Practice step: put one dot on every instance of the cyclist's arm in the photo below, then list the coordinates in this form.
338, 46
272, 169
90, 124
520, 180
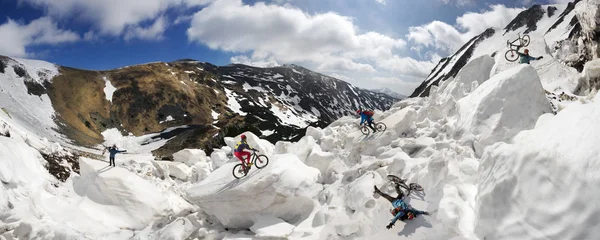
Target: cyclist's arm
398, 216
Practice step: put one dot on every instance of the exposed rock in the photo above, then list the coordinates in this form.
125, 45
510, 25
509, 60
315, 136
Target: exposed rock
528, 18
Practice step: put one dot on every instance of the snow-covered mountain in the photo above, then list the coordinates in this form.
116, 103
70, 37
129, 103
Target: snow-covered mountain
389, 92
211, 101
566, 35
499, 153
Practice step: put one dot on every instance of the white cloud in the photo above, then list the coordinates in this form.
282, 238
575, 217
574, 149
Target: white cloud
561, 1
254, 62
152, 32
437, 34
381, 1
112, 17
344, 65
459, 2
498, 17
16, 37
290, 35
448, 39
327, 42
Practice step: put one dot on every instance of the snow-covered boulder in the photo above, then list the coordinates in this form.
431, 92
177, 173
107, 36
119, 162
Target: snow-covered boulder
591, 76
543, 184
200, 171
218, 158
506, 104
190, 156
175, 169
316, 133
118, 195
403, 121
476, 71
283, 189
269, 226
263, 146
359, 194
319, 159
302, 148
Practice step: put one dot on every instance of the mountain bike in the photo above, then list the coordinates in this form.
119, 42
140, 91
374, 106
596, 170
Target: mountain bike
511, 55
380, 127
402, 183
241, 170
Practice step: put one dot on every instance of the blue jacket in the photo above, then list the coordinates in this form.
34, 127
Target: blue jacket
114, 151
405, 208
525, 58
364, 117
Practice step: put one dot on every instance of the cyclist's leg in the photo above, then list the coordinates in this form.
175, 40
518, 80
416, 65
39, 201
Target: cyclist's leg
388, 197
248, 156
371, 124
239, 156
398, 190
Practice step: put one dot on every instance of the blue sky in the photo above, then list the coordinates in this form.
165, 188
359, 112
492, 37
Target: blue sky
370, 43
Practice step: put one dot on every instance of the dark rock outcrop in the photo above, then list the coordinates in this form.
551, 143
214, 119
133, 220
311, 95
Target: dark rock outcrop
529, 18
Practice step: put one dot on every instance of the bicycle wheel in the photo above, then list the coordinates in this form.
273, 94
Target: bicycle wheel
260, 161
525, 40
365, 130
238, 171
511, 55
415, 187
380, 127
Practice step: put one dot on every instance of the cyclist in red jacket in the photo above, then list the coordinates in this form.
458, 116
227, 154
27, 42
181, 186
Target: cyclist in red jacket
240, 153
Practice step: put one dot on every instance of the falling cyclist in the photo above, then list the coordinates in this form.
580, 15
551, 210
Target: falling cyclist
525, 57
402, 210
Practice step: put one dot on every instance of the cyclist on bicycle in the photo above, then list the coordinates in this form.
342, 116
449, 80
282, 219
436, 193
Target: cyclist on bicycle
402, 210
240, 153
524, 57
366, 116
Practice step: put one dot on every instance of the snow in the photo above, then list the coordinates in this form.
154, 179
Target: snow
167, 119
30, 115
267, 132
247, 87
39, 70
109, 89
232, 103
493, 114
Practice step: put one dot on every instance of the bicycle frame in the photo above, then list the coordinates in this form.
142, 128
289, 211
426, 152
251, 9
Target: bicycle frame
519, 39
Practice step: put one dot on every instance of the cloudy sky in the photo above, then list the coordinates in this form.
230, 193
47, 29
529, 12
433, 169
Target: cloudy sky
370, 43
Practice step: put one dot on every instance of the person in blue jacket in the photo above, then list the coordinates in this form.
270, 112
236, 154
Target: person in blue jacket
112, 151
366, 116
402, 210
525, 58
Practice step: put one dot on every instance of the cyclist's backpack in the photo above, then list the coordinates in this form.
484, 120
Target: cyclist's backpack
369, 113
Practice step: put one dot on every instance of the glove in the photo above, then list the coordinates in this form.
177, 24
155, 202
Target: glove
124, 150
389, 226
540, 57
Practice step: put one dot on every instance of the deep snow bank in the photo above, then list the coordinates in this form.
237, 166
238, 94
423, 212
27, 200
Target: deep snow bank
501, 107
126, 199
283, 189
543, 185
